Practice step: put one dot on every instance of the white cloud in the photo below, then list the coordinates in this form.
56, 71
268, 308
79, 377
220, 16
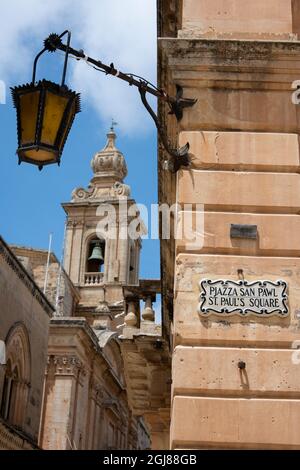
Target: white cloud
119, 31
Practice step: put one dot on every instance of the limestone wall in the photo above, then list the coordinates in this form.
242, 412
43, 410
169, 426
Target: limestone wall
244, 150
86, 404
270, 19
59, 289
24, 309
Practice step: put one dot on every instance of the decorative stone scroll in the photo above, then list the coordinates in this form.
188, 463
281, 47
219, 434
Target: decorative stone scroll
120, 189
80, 194
225, 297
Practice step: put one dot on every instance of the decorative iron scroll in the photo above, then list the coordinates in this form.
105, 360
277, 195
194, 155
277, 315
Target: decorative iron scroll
225, 297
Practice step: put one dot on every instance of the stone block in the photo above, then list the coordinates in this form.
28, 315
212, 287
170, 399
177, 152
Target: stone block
239, 191
238, 19
242, 150
201, 370
200, 422
234, 331
209, 232
231, 105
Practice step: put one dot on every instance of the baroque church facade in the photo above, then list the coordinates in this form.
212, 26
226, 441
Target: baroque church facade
95, 308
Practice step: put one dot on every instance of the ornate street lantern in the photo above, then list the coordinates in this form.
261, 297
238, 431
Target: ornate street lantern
45, 113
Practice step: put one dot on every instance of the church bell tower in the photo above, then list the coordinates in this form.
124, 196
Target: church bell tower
100, 256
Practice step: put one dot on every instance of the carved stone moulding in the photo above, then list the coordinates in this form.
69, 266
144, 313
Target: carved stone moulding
79, 194
65, 364
93, 192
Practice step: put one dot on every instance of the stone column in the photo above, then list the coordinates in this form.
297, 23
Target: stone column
123, 242
68, 248
60, 391
148, 312
76, 255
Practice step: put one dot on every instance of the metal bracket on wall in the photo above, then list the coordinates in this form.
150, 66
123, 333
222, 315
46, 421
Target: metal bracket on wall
178, 105
178, 157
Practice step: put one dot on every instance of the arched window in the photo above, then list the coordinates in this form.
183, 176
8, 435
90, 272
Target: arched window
95, 256
17, 376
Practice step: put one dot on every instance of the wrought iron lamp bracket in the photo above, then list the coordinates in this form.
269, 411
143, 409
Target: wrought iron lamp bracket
178, 157
52, 48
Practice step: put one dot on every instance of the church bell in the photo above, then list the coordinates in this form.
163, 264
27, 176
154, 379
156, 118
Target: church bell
97, 254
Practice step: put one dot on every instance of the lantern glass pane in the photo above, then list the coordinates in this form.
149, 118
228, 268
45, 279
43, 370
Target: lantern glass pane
68, 124
40, 155
54, 109
29, 103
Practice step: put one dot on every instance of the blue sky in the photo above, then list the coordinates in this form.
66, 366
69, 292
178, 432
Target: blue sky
120, 31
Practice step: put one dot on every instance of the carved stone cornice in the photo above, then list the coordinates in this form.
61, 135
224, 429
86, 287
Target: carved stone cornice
23, 275
75, 223
193, 54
